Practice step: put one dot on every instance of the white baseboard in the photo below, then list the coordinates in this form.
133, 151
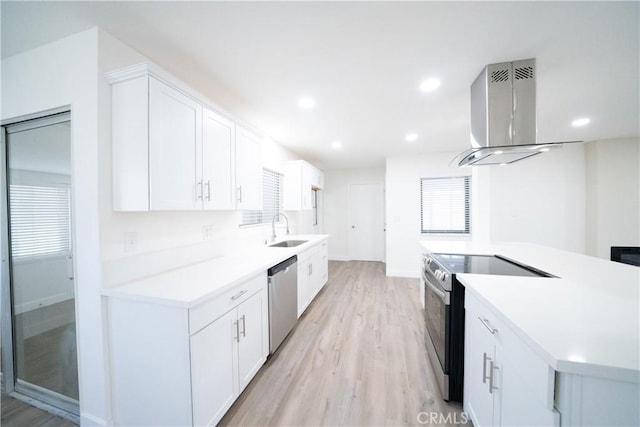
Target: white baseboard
339, 258
91, 420
403, 273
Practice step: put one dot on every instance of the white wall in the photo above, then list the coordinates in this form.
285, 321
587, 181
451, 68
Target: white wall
613, 195
540, 200
336, 202
60, 74
402, 190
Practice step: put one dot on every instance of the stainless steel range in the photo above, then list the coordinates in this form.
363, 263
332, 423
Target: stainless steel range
444, 310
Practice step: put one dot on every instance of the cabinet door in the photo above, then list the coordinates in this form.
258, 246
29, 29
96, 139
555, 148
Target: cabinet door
307, 181
314, 277
323, 265
303, 286
248, 171
251, 343
214, 382
175, 136
218, 160
479, 355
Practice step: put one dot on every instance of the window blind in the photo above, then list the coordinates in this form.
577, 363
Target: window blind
445, 205
271, 200
40, 221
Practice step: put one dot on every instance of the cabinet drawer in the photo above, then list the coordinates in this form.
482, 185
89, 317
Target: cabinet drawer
205, 313
308, 253
519, 359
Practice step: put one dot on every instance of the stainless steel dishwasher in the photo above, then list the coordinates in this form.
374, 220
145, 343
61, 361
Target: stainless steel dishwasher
283, 301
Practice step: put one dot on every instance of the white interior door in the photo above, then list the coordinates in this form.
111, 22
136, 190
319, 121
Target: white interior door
366, 222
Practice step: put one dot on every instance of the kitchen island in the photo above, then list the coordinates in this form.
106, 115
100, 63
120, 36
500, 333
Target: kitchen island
583, 324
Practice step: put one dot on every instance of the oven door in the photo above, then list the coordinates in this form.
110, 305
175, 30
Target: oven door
437, 314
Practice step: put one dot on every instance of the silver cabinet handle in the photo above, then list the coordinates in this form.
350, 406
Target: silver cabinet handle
237, 337
208, 184
69, 268
244, 326
492, 367
199, 196
238, 295
240, 194
486, 324
484, 367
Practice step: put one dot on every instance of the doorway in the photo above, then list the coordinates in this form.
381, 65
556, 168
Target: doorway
366, 222
39, 355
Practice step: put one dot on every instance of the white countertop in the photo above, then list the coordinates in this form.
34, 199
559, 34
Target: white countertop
190, 285
586, 321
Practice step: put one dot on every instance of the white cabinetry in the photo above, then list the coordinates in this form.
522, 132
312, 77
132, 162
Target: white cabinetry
505, 381
225, 356
312, 274
175, 135
171, 152
248, 170
300, 179
323, 264
173, 365
157, 132
217, 188
307, 278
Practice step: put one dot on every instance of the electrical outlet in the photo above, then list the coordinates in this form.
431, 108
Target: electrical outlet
130, 241
207, 232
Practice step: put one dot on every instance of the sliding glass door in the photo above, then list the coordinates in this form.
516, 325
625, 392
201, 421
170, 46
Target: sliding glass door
39, 325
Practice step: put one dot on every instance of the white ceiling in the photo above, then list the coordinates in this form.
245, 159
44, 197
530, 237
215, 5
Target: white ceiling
363, 63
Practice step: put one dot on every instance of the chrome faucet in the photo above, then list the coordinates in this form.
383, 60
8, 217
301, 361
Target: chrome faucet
273, 225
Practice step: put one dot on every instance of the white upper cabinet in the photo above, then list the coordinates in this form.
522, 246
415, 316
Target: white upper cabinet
248, 170
171, 152
175, 135
300, 179
218, 162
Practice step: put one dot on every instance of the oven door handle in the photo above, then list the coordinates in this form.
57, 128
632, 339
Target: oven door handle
444, 296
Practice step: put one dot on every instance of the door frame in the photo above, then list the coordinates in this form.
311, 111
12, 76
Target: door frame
31, 394
383, 213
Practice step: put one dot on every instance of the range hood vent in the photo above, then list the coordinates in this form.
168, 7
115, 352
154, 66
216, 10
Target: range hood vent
503, 116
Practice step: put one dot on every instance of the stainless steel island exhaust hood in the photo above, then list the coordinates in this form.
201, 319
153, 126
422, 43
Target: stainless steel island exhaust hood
503, 116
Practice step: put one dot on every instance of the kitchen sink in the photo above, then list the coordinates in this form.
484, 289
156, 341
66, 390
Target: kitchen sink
288, 244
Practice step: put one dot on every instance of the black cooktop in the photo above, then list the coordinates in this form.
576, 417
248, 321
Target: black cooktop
485, 264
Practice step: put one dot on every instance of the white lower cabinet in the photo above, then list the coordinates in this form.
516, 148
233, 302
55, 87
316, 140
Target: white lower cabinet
312, 274
184, 366
505, 381
225, 356
307, 278
323, 264
214, 369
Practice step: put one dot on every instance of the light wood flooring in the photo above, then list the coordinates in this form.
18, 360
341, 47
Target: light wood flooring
356, 357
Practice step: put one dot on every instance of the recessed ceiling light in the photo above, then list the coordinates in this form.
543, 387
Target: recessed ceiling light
411, 137
336, 145
429, 85
306, 103
580, 122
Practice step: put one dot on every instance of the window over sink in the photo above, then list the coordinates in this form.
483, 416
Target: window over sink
271, 200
